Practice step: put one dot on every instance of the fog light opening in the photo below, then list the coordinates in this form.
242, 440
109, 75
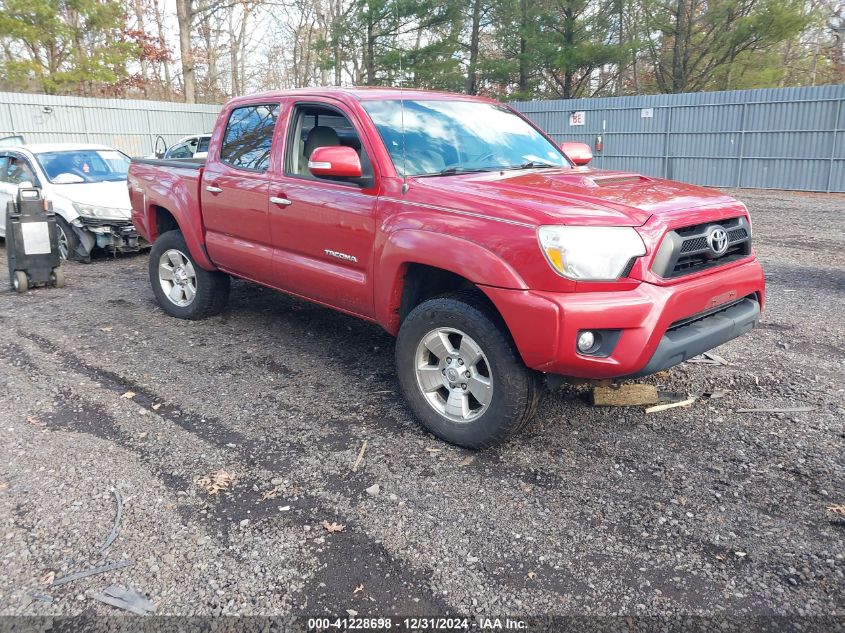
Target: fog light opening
586, 340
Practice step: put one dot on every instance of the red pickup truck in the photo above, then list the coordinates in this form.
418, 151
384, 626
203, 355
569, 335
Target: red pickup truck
497, 258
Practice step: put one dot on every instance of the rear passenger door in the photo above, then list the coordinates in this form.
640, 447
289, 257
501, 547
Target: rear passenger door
234, 193
323, 229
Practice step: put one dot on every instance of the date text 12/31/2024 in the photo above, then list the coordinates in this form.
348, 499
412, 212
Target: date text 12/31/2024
416, 624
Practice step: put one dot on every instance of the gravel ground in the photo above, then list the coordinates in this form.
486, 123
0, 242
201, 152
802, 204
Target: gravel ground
697, 510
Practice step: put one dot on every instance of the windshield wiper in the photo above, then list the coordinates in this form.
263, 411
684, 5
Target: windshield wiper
532, 164
452, 171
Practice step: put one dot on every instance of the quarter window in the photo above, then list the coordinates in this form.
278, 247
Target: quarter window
249, 136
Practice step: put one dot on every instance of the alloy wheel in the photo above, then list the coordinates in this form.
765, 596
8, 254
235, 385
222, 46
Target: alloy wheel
453, 374
177, 277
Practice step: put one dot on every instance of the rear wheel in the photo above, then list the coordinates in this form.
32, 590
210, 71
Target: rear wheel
461, 373
182, 288
20, 281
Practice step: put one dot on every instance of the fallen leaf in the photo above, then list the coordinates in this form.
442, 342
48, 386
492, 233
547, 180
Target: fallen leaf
525, 487
721, 557
268, 494
47, 579
333, 527
358, 588
128, 395
169, 506
3, 485
466, 461
352, 612
741, 554
431, 449
143, 436
532, 575
157, 406
106, 329
31, 419
840, 510
212, 484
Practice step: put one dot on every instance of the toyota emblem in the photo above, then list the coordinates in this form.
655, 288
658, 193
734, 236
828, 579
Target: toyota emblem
717, 240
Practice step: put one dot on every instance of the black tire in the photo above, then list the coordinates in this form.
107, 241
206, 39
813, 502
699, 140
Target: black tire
516, 389
65, 232
212, 288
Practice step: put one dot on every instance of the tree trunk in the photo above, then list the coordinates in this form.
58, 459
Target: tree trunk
371, 53
569, 43
678, 70
139, 18
184, 17
523, 48
472, 77
162, 44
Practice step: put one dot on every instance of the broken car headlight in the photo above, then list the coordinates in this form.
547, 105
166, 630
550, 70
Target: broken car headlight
100, 213
590, 253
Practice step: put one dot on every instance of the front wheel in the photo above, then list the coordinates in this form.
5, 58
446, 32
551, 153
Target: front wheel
68, 242
182, 288
461, 373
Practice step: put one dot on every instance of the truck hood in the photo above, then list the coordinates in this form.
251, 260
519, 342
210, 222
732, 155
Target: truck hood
573, 195
114, 195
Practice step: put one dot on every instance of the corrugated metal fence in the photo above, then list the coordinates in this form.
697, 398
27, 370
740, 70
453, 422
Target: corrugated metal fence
786, 138
129, 125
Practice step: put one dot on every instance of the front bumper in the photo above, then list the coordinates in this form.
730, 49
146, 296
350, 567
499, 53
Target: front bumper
115, 236
655, 329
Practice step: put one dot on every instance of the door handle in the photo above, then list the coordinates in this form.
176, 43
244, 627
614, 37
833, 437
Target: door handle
282, 201
212, 189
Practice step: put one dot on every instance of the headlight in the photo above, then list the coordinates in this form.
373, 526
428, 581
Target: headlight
750, 225
101, 213
590, 253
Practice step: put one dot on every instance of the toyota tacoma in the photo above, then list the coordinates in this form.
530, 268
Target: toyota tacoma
500, 260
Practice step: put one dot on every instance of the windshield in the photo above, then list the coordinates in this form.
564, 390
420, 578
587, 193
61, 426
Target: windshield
84, 165
448, 137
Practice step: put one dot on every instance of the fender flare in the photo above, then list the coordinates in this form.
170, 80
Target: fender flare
457, 255
191, 229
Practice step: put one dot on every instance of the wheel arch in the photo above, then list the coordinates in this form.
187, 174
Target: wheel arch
416, 265
160, 220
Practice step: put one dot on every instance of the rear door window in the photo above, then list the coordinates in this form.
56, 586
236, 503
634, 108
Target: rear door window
249, 136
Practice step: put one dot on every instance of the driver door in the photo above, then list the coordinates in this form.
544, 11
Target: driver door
323, 229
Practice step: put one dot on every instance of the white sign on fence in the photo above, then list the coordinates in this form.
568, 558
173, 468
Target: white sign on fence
647, 113
577, 118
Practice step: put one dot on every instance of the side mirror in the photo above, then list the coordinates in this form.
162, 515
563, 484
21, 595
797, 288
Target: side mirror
336, 161
578, 153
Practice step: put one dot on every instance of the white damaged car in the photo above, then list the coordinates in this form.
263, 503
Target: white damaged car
86, 184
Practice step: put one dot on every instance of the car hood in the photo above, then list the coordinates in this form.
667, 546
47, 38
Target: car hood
102, 194
572, 195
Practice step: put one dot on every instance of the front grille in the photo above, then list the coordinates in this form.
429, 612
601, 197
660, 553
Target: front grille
97, 222
686, 250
